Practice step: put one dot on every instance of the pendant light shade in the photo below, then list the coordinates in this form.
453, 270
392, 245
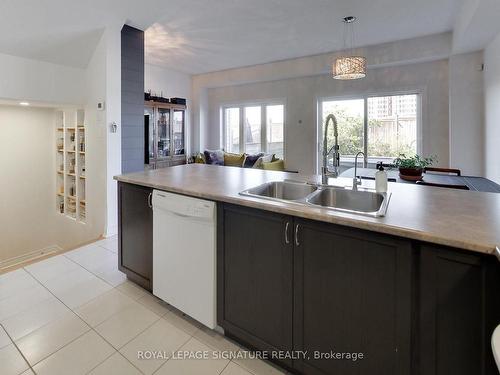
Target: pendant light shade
350, 66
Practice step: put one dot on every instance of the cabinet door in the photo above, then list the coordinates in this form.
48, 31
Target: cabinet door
178, 125
135, 233
352, 293
459, 309
255, 264
163, 133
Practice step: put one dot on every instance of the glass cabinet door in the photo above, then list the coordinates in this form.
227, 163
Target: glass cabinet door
149, 134
163, 133
178, 131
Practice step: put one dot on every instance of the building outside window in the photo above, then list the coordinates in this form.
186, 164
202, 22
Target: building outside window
253, 128
381, 126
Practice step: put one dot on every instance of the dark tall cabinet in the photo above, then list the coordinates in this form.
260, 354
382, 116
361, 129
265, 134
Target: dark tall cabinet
135, 233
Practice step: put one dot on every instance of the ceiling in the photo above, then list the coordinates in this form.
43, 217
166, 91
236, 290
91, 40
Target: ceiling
197, 36
66, 32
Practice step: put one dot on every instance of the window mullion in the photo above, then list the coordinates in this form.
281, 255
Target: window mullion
365, 133
263, 128
242, 130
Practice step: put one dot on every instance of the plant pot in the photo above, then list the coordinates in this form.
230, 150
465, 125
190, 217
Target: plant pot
411, 174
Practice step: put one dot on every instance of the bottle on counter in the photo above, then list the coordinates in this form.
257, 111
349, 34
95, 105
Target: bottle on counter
381, 179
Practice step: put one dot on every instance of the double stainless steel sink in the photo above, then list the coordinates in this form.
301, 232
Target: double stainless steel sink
363, 202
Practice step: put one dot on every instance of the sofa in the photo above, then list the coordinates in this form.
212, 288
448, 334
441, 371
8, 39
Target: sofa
256, 161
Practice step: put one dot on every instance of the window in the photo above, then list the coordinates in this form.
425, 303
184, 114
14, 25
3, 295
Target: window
392, 126
275, 124
254, 128
252, 123
232, 121
383, 127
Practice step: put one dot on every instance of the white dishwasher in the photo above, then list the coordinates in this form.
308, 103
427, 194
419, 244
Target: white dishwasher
184, 260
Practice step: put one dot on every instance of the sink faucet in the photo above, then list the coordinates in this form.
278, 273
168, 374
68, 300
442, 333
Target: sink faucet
356, 180
325, 171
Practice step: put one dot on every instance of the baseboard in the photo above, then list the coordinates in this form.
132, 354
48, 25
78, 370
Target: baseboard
12, 262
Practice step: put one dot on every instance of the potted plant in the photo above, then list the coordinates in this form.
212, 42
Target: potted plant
411, 168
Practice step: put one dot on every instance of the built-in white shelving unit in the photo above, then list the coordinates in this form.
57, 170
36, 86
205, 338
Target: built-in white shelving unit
71, 149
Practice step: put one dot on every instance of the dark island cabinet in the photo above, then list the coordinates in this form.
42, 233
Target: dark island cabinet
135, 233
255, 266
286, 284
347, 301
459, 307
352, 293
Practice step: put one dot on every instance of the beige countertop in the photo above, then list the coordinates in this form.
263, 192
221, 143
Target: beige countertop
462, 219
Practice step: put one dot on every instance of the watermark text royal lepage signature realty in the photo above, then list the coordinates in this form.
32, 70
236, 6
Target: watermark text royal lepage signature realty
244, 354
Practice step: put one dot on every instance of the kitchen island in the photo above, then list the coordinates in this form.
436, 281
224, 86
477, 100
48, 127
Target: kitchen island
416, 291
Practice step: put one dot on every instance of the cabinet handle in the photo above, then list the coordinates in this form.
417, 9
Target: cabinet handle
150, 200
297, 235
287, 240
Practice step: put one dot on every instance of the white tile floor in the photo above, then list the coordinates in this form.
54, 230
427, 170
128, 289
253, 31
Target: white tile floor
75, 313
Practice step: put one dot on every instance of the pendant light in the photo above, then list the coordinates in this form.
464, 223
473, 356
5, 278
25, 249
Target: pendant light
350, 66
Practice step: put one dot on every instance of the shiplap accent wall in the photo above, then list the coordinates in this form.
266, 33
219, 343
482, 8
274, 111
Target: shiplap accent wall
132, 99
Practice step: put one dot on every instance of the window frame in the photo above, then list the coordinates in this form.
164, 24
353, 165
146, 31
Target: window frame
263, 121
421, 98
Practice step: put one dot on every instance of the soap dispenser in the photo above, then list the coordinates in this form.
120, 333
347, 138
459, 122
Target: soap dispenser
381, 179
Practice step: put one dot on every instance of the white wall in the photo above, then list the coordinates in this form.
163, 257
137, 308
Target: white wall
29, 219
171, 82
492, 109
95, 91
301, 96
112, 36
404, 52
25, 79
34, 205
467, 113
27, 198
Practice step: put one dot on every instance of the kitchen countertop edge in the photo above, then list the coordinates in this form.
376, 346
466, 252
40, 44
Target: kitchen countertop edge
318, 214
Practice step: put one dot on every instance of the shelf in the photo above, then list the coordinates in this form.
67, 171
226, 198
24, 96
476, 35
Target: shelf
70, 132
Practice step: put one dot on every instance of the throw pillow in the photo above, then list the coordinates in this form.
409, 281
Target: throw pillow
278, 165
251, 159
233, 160
263, 159
199, 158
214, 157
